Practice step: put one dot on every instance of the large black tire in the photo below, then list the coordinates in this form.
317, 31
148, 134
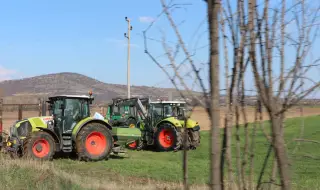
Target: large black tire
131, 122
161, 140
194, 137
94, 142
39, 145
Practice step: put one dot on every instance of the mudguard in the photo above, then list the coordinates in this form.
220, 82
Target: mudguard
191, 124
52, 133
174, 121
85, 121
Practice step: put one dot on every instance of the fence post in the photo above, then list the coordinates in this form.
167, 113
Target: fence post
39, 107
20, 112
1, 128
43, 107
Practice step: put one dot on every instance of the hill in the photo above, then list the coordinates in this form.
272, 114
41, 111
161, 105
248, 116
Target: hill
28, 90
72, 83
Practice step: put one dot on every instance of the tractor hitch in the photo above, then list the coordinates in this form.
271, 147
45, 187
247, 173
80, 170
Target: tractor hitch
117, 149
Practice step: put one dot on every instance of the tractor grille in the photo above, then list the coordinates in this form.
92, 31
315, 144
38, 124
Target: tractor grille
24, 129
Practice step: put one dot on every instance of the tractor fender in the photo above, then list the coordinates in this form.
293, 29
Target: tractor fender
131, 117
173, 121
84, 122
178, 128
191, 124
52, 133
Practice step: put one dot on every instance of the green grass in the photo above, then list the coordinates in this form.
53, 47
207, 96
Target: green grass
142, 167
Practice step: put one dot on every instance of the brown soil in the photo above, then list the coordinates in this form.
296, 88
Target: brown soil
199, 114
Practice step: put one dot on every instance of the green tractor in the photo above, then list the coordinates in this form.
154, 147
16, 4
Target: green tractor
69, 129
123, 112
162, 127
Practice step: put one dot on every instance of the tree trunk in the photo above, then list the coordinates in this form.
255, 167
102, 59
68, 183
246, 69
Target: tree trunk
213, 18
280, 150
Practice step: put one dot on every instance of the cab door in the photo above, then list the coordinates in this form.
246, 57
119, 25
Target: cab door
72, 114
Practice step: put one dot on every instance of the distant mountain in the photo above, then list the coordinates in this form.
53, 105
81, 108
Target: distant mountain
29, 89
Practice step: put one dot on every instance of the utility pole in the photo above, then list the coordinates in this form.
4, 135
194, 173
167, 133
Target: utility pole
127, 35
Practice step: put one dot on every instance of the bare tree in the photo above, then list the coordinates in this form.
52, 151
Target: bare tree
250, 32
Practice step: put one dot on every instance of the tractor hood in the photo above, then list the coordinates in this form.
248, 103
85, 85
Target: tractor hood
180, 122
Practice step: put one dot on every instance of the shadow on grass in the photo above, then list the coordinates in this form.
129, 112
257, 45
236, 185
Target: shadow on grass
73, 156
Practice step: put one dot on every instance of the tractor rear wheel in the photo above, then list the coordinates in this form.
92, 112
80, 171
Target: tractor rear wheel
167, 138
94, 142
39, 145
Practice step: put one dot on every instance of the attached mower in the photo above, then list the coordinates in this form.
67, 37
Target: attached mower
69, 129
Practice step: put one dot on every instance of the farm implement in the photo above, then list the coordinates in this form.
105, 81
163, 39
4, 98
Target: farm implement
69, 129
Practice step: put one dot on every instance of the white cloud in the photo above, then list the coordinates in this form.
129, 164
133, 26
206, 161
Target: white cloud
121, 43
146, 19
6, 74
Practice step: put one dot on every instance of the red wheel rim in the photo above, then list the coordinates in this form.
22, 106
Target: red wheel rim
96, 143
41, 148
133, 145
166, 138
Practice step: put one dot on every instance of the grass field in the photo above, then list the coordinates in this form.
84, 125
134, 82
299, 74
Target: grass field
152, 170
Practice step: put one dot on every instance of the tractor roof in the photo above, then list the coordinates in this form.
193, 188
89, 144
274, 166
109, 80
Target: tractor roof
71, 96
168, 102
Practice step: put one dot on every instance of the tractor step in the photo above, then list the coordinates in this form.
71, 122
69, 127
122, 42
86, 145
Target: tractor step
66, 143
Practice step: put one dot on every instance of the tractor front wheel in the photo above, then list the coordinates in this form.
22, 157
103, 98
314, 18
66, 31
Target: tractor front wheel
39, 145
136, 145
167, 138
94, 142
131, 123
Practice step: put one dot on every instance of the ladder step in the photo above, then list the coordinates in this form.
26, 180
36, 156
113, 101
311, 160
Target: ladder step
67, 143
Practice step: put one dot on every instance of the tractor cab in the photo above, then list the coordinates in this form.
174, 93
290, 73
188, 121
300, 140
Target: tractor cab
126, 112
160, 110
68, 110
